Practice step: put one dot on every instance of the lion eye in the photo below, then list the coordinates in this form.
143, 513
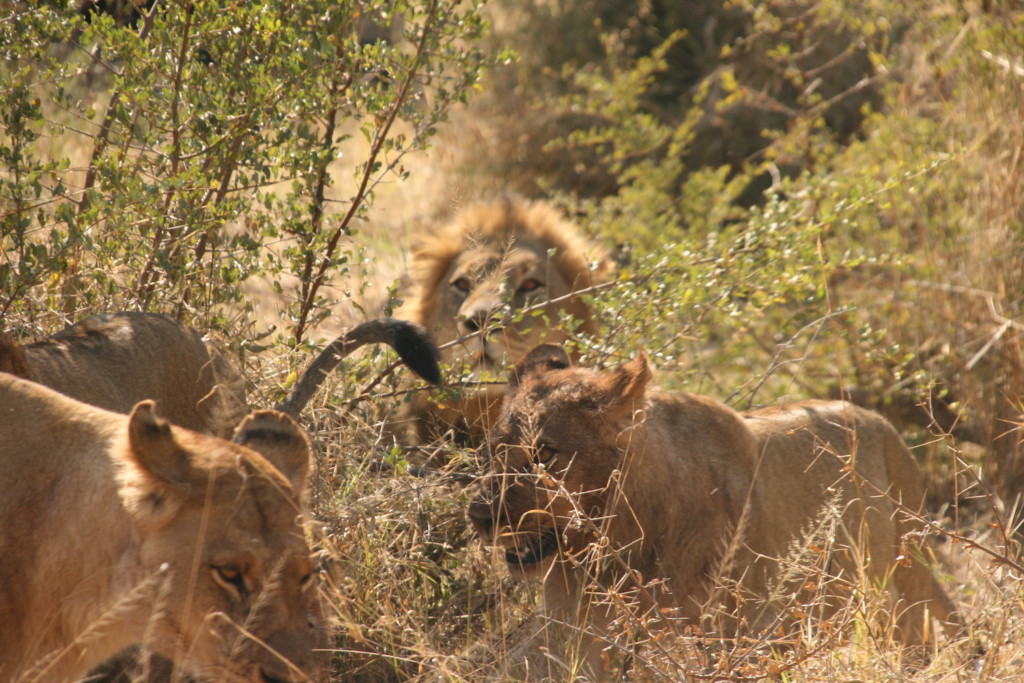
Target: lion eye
544, 455
231, 579
462, 284
530, 285
306, 582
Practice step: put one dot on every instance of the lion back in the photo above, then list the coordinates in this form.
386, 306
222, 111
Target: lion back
113, 361
822, 455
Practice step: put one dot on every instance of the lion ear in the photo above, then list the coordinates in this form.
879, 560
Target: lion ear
153, 448
281, 441
541, 359
12, 357
626, 386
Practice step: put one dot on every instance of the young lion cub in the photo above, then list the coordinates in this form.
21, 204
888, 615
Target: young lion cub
679, 487
124, 529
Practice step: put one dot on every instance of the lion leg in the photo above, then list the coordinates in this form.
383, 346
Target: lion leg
922, 597
921, 600
578, 629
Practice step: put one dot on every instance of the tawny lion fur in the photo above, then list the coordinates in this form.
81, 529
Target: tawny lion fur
469, 278
115, 360
124, 529
670, 481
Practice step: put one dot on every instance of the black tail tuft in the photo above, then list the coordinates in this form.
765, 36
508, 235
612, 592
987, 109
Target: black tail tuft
417, 350
411, 341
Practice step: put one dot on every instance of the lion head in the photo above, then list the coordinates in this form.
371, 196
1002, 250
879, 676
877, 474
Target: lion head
127, 530
12, 357
476, 276
552, 455
221, 522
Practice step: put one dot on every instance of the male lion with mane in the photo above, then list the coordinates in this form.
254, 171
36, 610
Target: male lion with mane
470, 279
594, 478
125, 529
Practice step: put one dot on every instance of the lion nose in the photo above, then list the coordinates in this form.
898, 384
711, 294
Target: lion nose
267, 677
294, 656
480, 513
481, 317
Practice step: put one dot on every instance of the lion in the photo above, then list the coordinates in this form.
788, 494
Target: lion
115, 360
679, 487
471, 278
122, 529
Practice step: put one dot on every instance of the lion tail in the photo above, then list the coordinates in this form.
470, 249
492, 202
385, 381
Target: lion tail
410, 340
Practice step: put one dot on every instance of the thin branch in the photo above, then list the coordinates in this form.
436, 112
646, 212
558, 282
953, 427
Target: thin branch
103, 136
380, 137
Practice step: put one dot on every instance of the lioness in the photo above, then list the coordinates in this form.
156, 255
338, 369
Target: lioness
115, 360
124, 529
667, 482
470, 279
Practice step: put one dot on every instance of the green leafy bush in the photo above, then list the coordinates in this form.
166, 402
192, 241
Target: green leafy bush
158, 166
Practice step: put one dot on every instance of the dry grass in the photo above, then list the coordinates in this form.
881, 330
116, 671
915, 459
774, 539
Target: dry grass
417, 598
